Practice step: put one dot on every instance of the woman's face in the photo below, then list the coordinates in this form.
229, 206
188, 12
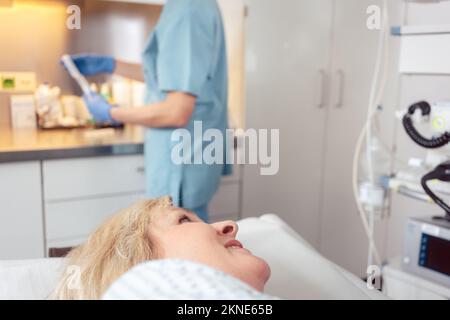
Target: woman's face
180, 234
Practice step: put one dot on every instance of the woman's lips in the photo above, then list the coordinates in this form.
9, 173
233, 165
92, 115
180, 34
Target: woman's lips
234, 244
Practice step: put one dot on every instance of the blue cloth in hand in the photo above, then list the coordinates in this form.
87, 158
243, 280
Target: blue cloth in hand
91, 65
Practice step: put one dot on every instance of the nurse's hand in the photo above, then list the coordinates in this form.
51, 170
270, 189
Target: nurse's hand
99, 108
91, 65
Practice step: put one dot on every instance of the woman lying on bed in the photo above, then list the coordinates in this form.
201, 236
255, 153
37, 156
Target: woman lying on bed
154, 230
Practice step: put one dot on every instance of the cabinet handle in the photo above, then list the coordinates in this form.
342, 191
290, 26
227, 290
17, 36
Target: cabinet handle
340, 93
322, 86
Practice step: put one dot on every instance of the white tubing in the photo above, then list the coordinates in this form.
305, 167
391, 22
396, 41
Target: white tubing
366, 133
362, 213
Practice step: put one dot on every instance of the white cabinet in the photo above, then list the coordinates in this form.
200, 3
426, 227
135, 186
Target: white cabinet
69, 223
310, 64
79, 194
58, 203
91, 177
287, 70
21, 222
353, 61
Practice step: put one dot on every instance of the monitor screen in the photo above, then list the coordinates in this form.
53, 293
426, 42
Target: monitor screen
435, 254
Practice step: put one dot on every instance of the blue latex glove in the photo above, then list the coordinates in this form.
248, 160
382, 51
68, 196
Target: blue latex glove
91, 65
99, 108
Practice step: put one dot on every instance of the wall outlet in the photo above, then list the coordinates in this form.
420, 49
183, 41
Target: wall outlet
17, 82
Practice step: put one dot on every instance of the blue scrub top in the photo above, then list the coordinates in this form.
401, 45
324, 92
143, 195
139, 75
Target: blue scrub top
186, 53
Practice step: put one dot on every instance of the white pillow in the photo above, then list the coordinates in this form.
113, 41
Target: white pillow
298, 270
30, 280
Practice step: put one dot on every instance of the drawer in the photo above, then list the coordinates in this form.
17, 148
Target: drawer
90, 177
78, 219
226, 201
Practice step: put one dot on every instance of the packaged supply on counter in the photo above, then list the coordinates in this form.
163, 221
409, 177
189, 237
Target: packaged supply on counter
48, 106
23, 114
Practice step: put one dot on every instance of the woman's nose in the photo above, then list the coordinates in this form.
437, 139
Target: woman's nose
226, 228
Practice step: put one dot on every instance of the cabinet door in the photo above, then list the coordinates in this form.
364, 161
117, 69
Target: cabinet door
21, 220
233, 12
354, 52
287, 63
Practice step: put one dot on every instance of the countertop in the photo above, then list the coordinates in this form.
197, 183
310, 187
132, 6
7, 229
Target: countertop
29, 145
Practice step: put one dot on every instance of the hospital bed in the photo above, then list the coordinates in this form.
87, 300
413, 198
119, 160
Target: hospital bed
298, 270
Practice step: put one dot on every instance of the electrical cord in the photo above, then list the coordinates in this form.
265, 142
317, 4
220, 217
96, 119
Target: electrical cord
441, 173
415, 135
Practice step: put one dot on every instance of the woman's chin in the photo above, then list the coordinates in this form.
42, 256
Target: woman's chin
266, 272
261, 274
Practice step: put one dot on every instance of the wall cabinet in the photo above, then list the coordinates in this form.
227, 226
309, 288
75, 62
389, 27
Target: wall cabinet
287, 77
353, 61
310, 64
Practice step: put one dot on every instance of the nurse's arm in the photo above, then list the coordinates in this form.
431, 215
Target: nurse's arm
129, 70
174, 112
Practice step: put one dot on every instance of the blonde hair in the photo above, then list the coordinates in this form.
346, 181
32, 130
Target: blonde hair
119, 244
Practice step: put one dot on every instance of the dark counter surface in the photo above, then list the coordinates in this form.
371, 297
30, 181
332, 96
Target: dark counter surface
31, 145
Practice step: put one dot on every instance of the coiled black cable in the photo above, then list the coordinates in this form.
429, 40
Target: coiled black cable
439, 173
415, 135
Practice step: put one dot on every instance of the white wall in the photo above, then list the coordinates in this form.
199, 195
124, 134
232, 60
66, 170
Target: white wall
33, 38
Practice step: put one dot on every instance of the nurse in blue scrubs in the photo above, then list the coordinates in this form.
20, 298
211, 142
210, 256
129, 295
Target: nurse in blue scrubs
185, 70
